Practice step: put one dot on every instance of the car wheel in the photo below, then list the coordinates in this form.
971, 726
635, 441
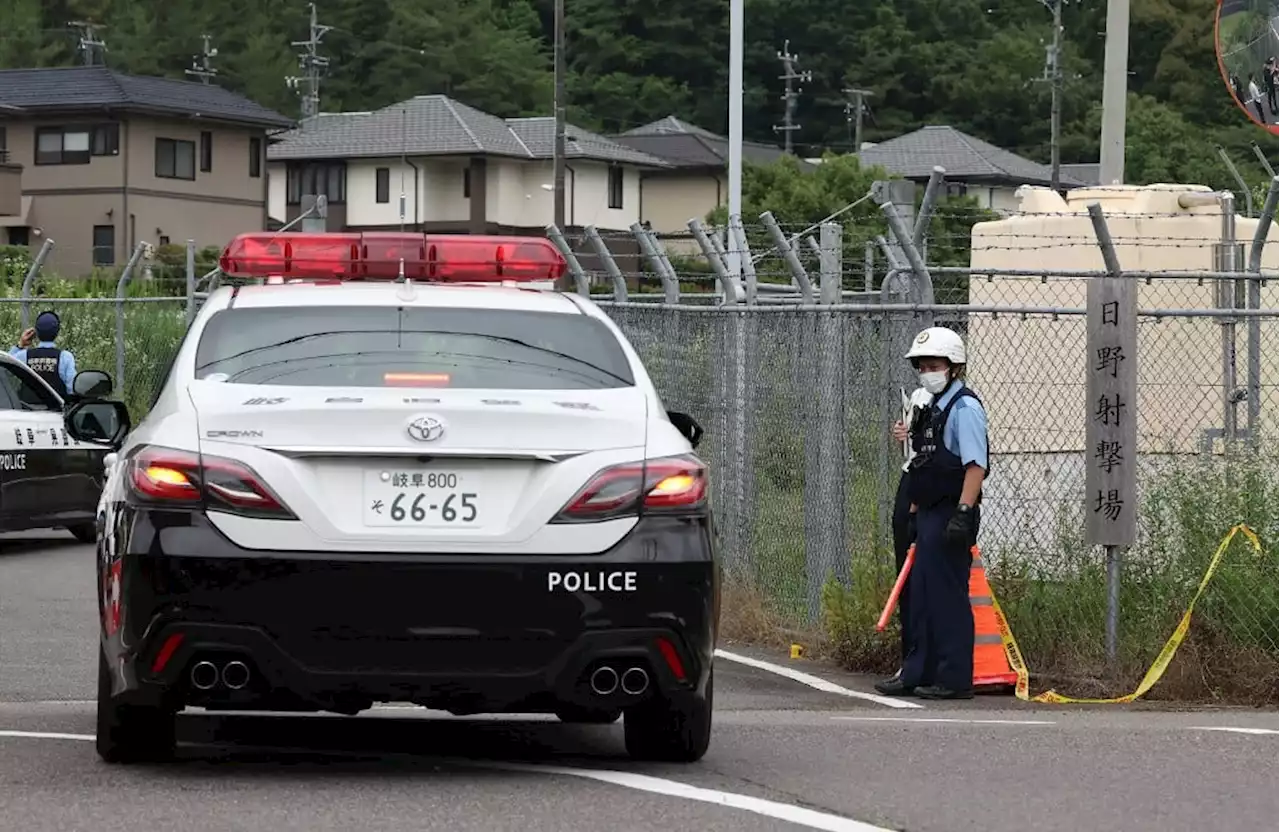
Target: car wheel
672, 731
86, 533
131, 733
588, 716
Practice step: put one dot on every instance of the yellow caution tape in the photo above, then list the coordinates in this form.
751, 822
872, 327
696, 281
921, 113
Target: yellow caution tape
1162, 661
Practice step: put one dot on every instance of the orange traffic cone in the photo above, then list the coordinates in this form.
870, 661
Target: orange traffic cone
990, 665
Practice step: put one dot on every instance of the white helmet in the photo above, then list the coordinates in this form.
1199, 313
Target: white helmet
938, 342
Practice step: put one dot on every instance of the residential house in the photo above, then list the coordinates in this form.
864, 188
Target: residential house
696, 181
973, 167
97, 160
436, 164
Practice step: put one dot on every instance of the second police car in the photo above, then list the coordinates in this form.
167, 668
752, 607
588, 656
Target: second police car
443, 488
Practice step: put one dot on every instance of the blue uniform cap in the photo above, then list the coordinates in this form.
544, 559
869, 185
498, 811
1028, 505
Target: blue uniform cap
47, 326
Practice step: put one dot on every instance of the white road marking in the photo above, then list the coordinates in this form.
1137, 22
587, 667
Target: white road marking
1232, 730
815, 682
47, 735
945, 719
799, 815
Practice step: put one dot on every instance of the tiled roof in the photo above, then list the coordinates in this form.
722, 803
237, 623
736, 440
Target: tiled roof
686, 145
436, 125
99, 87
964, 157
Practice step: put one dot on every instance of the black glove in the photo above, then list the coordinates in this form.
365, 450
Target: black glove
911, 528
960, 529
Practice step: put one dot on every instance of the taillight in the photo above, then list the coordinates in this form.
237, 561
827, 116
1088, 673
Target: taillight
166, 475
671, 485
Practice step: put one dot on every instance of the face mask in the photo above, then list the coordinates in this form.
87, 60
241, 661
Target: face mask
935, 383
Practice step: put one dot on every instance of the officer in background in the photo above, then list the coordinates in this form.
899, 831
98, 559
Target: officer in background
36, 348
945, 490
904, 532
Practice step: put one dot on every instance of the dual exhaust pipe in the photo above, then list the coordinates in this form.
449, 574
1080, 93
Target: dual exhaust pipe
633, 681
234, 675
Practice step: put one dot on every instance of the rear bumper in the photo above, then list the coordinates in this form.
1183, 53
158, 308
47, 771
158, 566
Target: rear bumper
467, 634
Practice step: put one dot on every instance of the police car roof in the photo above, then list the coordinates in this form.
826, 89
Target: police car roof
388, 293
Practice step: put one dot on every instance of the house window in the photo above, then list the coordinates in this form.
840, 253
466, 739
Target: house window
106, 140
466, 183
164, 239
62, 145
382, 184
615, 187
104, 245
4, 146
327, 179
957, 189
255, 157
206, 151
175, 159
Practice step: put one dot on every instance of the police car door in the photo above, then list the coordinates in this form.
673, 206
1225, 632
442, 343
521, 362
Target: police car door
41, 480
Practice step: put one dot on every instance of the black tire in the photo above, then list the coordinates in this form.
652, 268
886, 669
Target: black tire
579, 715
86, 533
131, 733
670, 731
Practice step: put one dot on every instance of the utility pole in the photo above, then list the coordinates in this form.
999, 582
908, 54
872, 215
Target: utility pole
854, 108
90, 48
312, 65
559, 106
736, 49
789, 76
202, 64
1115, 88
1053, 76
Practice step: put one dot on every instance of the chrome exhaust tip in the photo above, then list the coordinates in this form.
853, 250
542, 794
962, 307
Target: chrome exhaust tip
235, 675
635, 681
604, 680
204, 675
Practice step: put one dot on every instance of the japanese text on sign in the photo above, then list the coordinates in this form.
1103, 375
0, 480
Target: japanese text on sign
1111, 427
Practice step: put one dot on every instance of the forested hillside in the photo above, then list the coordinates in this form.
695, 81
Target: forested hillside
968, 63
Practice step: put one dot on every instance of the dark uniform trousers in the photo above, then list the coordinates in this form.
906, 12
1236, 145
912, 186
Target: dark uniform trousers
901, 543
941, 648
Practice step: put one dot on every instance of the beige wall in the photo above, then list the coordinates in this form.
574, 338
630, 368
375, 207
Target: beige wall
10, 189
670, 201
1031, 373
123, 191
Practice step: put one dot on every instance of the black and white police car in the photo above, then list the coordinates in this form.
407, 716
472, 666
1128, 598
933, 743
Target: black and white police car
48, 478
393, 471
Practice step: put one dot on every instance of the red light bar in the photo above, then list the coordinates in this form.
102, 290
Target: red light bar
378, 256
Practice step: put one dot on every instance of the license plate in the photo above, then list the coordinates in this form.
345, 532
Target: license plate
417, 498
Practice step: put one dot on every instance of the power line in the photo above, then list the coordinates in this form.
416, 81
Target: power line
789, 76
312, 64
90, 48
855, 107
201, 65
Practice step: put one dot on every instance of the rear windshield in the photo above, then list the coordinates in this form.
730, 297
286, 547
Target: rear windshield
393, 347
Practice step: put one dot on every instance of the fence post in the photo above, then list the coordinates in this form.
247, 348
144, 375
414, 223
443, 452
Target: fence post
670, 288
1254, 348
923, 294
826, 437
581, 284
30, 279
1111, 421
927, 204
780, 242
122, 286
191, 280
869, 266
610, 265
1235, 174
1228, 260
739, 237
704, 241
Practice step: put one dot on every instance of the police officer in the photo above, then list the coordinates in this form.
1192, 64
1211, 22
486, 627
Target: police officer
37, 349
945, 490
904, 532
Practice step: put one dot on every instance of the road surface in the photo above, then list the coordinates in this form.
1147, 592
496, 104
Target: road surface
785, 754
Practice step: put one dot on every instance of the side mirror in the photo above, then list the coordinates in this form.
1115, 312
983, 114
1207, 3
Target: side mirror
91, 384
687, 425
98, 421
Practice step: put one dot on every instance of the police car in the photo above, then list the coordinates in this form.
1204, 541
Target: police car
48, 479
390, 470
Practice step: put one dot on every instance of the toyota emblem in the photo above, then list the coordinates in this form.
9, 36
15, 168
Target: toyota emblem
425, 429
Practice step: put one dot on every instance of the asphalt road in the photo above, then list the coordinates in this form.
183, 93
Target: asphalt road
784, 756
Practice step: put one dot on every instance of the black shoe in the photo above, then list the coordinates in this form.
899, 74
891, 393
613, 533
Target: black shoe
894, 687
940, 692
